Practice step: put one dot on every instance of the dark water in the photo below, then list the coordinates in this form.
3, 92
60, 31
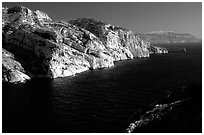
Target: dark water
99, 100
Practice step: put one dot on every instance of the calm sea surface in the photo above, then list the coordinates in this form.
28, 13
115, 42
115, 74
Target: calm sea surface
99, 100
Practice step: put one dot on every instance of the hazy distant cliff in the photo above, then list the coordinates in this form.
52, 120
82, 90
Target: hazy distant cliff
36, 46
168, 37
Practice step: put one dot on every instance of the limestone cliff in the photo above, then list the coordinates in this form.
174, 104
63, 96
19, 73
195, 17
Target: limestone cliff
163, 37
121, 43
47, 48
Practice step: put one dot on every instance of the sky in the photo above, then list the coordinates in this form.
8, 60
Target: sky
182, 17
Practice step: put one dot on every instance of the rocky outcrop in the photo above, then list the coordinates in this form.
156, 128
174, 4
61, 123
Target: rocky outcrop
155, 49
52, 49
12, 71
157, 113
163, 37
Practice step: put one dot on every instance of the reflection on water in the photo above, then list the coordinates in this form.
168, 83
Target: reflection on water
99, 100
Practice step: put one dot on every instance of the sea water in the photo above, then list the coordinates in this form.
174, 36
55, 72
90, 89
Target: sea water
100, 100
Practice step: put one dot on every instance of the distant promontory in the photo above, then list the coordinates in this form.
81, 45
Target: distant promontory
168, 37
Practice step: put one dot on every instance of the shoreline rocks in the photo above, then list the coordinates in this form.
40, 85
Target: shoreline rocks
52, 49
12, 70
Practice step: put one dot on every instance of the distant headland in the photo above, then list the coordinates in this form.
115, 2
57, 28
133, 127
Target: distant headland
168, 37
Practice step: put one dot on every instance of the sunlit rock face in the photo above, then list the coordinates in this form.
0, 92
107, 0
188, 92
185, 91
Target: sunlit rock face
52, 49
121, 43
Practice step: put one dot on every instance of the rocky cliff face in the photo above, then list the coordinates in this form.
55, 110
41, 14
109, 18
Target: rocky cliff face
46, 48
168, 37
121, 43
